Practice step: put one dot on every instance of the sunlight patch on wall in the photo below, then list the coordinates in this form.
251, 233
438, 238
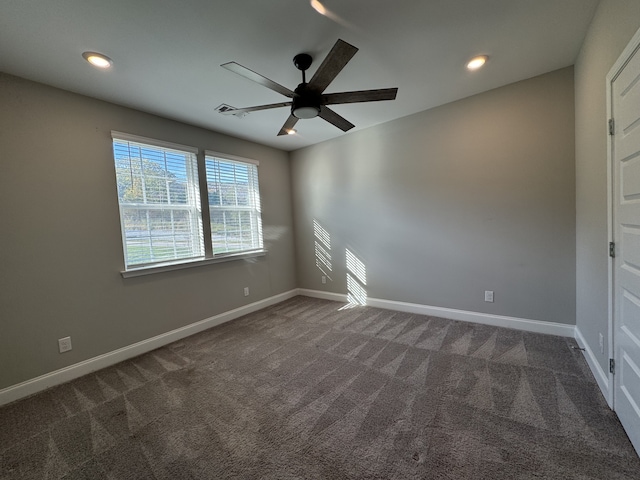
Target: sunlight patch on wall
322, 241
355, 266
356, 279
321, 234
356, 294
323, 259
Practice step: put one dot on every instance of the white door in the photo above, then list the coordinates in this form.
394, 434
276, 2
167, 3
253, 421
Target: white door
625, 145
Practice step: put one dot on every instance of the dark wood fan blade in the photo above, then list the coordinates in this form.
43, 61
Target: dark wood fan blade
335, 119
255, 109
360, 96
288, 125
332, 65
256, 77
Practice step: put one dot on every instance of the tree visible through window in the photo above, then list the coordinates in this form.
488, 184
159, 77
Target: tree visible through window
160, 203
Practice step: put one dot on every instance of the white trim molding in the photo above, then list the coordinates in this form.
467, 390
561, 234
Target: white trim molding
602, 378
536, 326
336, 297
66, 374
127, 137
182, 264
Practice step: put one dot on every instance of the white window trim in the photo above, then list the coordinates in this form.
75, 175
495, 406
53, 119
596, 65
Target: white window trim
170, 266
141, 270
226, 156
152, 141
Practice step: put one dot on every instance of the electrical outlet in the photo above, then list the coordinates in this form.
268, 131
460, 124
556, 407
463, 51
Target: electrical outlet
246, 291
64, 344
324, 279
601, 344
488, 296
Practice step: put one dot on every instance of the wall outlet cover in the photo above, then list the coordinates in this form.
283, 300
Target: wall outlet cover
64, 344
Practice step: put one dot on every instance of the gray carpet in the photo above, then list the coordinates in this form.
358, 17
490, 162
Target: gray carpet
303, 390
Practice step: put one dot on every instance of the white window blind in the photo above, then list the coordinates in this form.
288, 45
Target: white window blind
234, 205
159, 200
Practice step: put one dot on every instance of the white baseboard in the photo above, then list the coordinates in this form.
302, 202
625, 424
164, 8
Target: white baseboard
74, 371
602, 378
536, 326
336, 297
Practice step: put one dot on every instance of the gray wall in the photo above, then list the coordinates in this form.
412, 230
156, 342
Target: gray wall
613, 25
474, 195
61, 247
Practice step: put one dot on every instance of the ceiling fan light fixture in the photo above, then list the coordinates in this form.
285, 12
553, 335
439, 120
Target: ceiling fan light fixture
292, 131
305, 112
97, 59
477, 62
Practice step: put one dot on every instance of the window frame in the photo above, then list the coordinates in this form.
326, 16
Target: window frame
254, 210
208, 256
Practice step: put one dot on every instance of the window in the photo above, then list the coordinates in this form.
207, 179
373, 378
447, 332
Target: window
159, 202
161, 210
234, 205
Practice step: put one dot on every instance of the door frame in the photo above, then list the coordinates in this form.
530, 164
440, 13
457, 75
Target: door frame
616, 69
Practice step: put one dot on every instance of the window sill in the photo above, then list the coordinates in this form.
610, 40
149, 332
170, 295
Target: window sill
168, 267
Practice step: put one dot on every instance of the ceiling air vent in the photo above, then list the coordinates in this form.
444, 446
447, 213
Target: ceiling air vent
224, 108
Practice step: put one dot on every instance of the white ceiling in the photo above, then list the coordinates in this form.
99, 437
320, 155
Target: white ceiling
167, 53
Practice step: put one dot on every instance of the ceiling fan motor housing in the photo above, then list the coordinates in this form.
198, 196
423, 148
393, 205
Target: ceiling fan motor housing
306, 103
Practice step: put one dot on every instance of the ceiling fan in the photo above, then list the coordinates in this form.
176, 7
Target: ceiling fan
308, 99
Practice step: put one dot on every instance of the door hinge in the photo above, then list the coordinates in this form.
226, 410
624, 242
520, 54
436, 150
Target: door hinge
612, 249
612, 365
612, 127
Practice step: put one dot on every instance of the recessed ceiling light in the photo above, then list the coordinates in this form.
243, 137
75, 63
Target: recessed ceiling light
97, 59
292, 131
318, 7
476, 62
